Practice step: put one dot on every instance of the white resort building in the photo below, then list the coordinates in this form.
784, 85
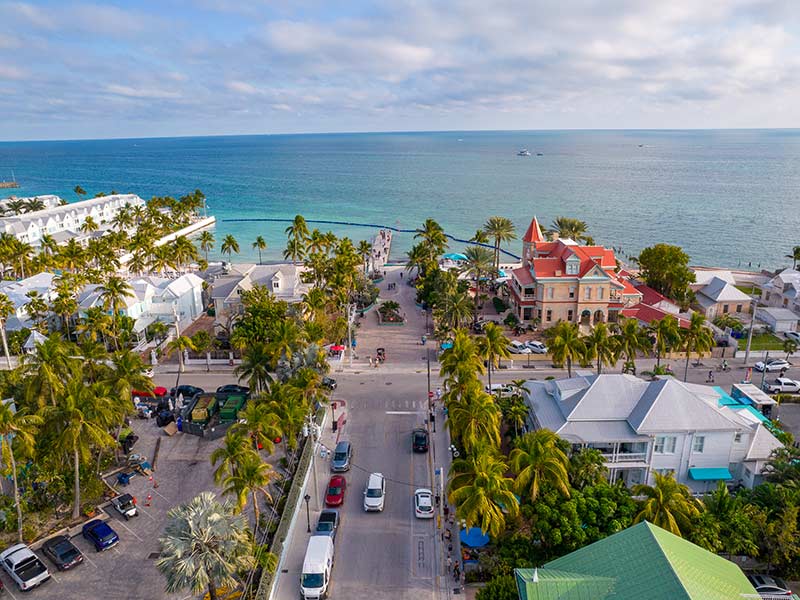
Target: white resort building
48, 201
64, 222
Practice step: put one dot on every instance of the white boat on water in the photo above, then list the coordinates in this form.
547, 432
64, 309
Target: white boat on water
523, 152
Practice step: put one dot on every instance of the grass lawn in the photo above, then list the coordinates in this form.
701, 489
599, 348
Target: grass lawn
750, 290
762, 341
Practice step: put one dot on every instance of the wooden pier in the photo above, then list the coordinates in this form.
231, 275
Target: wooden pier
5, 185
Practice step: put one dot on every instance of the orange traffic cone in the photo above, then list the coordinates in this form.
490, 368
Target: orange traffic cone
155, 484
148, 499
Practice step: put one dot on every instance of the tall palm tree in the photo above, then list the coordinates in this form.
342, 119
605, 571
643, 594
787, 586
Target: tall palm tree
80, 421
113, 294
601, 346
206, 242
462, 357
480, 490
47, 368
667, 333
501, 230
298, 230
538, 461
365, 251
6, 309
286, 337
289, 409
259, 423
229, 246
493, 346
668, 504
475, 421
126, 374
260, 244
17, 429
795, 256
65, 305
37, 310
236, 446
79, 191
479, 263
631, 338
95, 325
565, 344
295, 250
697, 338
434, 240
567, 227
253, 477
180, 344
205, 545
89, 225
255, 367
455, 309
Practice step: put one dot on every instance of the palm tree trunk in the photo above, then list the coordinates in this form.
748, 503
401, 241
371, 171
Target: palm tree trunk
489, 371
5, 342
569, 367
686, 369
599, 364
212, 591
256, 513
658, 356
16, 487
76, 508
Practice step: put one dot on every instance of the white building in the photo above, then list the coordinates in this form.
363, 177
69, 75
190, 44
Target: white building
721, 297
64, 222
48, 200
778, 319
698, 432
783, 291
17, 292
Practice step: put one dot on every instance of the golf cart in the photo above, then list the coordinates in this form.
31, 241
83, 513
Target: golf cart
125, 505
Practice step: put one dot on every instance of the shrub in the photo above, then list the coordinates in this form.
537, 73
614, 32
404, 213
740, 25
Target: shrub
511, 320
502, 587
499, 305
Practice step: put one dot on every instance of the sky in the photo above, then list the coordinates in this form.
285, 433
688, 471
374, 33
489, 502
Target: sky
213, 67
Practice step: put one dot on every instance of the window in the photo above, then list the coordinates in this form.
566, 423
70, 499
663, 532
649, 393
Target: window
569, 315
664, 472
539, 314
739, 308
698, 444
737, 437
572, 267
549, 315
664, 444
572, 292
588, 293
766, 297
600, 293
550, 292
530, 291
724, 309
276, 285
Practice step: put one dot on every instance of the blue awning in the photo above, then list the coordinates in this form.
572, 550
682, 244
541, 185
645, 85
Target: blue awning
710, 474
474, 538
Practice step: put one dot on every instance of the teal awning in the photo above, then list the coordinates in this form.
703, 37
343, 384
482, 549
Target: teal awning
710, 474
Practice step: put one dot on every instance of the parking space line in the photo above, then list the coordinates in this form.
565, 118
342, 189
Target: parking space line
53, 575
91, 562
160, 495
130, 531
7, 588
147, 514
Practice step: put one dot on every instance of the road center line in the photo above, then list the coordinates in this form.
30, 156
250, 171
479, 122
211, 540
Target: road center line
403, 412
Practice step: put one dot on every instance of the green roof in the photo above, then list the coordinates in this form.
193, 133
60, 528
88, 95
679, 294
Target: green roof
643, 561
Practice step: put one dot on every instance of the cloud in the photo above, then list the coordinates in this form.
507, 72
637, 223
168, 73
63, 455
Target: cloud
11, 72
134, 92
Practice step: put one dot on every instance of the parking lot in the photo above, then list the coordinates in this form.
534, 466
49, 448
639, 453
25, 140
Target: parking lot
127, 571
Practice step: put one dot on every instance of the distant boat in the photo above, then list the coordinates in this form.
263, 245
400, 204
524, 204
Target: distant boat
539, 154
523, 152
9, 184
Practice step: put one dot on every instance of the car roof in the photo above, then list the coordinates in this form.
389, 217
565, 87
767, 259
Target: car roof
336, 479
16, 550
98, 525
56, 540
343, 445
423, 491
375, 479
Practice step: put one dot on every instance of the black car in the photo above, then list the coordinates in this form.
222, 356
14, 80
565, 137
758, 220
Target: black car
62, 552
419, 440
329, 383
233, 389
187, 391
328, 523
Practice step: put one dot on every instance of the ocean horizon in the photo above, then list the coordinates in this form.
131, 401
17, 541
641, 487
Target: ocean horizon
728, 197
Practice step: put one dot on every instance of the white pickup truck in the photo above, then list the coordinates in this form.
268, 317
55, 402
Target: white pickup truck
24, 567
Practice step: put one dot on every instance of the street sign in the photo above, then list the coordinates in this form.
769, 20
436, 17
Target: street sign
430, 395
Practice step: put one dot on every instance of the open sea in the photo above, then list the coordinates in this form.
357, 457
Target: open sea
728, 197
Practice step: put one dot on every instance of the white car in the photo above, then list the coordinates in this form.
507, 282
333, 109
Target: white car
423, 504
773, 364
24, 567
148, 372
503, 389
516, 347
375, 493
793, 335
536, 347
782, 384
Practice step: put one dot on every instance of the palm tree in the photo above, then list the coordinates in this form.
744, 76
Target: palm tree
229, 246
89, 225
295, 250
501, 230
260, 244
696, 338
65, 305
126, 374
79, 191
298, 230
462, 357
206, 242
180, 344
481, 492
252, 478
454, 310
80, 421
113, 294
795, 256
205, 545
790, 347
286, 337
474, 421
7, 308
236, 446
667, 332
587, 467
260, 424
289, 409
565, 344
493, 346
51, 364
601, 346
538, 461
17, 428
631, 338
478, 264
434, 240
668, 504
365, 251
567, 227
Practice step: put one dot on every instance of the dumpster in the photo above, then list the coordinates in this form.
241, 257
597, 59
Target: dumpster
230, 408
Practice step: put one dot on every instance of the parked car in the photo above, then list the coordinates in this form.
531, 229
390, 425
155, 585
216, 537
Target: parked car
187, 391
773, 364
480, 325
100, 534
62, 552
423, 504
341, 457
328, 523
770, 587
24, 567
516, 347
125, 505
793, 335
782, 385
536, 347
375, 493
419, 440
503, 389
335, 494
233, 389
329, 383
148, 372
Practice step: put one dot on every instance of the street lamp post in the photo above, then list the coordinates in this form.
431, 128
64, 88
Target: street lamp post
308, 512
750, 333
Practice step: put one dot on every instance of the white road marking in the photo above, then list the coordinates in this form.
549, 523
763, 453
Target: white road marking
130, 531
8, 589
403, 412
91, 562
53, 575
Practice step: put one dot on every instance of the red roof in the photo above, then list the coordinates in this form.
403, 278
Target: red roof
648, 314
556, 256
650, 296
523, 275
534, 233
629, 290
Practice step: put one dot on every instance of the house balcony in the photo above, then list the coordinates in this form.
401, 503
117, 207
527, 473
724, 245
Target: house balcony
625, 457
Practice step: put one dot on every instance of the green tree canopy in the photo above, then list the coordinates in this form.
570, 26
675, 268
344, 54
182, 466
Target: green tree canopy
665, 268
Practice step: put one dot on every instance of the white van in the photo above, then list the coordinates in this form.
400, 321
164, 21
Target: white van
317, 565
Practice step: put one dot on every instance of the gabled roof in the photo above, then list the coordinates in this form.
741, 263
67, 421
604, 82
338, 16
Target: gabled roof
651, 296
720, 290
648, 314
762, 445
604, 398
523, 275
643, 561
534, 233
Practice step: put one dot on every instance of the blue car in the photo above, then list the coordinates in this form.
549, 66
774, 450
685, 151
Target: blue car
100, 534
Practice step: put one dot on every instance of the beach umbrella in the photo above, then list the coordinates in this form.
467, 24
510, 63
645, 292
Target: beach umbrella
473, 537
454, 256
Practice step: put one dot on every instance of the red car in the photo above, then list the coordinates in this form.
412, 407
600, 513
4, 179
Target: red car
336, 487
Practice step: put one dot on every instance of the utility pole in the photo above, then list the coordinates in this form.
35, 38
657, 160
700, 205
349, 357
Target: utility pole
350, 316
764, 372
750, 333
177, 336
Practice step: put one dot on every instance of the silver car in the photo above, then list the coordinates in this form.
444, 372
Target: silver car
341, 457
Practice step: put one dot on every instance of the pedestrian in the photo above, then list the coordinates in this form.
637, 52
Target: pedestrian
370, 361
449, 562
438, 393
401, 275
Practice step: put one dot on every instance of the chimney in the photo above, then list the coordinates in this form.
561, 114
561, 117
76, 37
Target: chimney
558, 273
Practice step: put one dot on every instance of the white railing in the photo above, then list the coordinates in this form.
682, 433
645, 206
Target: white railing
623, 457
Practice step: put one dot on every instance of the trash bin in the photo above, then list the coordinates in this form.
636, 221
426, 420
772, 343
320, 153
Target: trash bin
335, 426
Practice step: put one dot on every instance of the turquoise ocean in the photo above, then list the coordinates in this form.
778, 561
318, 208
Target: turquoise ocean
728, 197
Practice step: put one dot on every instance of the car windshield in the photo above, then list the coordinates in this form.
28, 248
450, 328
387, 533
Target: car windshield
104, 535
66, 551
373, 492
420, 437
334, 491
340, 456
312, 580
424, 503
325, 526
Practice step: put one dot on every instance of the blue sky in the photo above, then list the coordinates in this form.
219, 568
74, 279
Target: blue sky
208, 67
